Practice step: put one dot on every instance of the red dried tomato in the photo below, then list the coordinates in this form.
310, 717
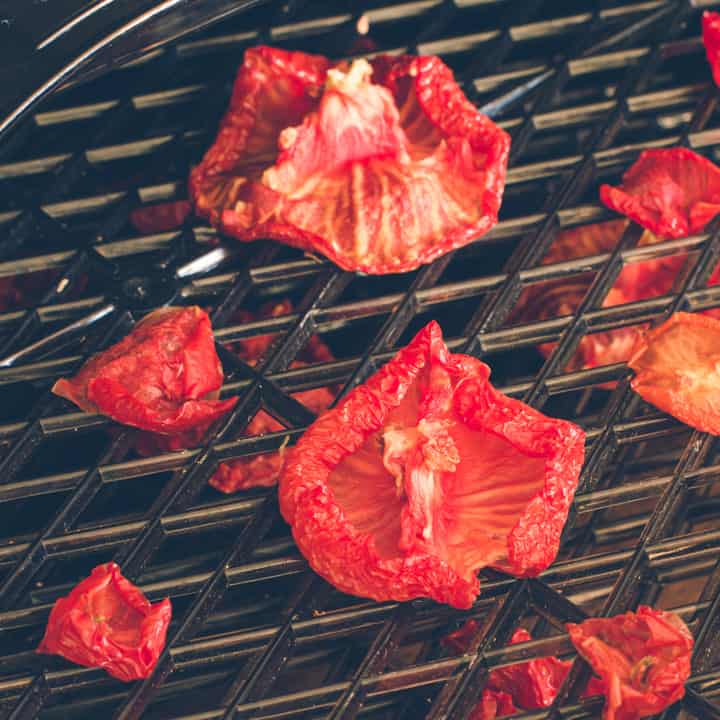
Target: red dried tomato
379, 176
263, 470
107, 622
533, 684
259, 470
672, 192
493, 704
162, 377
161, 217
458, 641
639, 281
676, 369
711, 40
643, 660
523, 686
425, 474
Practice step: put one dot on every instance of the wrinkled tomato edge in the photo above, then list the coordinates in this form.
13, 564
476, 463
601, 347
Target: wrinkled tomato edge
676, 400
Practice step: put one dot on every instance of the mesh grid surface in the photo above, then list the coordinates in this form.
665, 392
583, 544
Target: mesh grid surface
582, 87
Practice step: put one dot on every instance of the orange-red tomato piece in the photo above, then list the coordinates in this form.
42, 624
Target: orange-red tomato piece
164, 376
642, 658
380, 166
677, 369
425, 474
106, 622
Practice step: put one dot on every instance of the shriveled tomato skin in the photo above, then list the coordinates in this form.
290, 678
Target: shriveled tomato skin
399, 203
261, 470
274, 89
676, 369
106, 622
161, 377
161, 217
527, 685
349, 558
673, 192
642, 658
637, 281
711, 40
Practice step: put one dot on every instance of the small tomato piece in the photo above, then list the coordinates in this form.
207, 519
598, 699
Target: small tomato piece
493, 704
672, 192
638, 281
533, 684
162, 377
711, 40
381, 167
106, 622
161, 217
425, 474
458, 641
259, 470
523, 686
642, 658
677, 369
263, 470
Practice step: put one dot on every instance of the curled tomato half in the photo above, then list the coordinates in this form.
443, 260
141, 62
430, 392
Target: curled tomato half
672, 192
162, 377
677, 369
425, 474
381, 167
643, 660
711, 40
107, 622
161, 217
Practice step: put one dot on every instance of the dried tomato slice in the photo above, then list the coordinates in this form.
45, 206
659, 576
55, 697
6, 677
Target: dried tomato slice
672, 192
162, 377
523, 686
493, 704
533, 684
107, 622
260, 470
425, 474
711, 40
642, 658
161, 217
676, 369
639, 281
263, 470
380, 176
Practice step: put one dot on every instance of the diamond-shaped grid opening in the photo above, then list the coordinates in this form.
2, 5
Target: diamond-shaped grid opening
64, 452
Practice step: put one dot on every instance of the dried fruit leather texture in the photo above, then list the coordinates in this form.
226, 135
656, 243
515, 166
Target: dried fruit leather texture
258, 470
523, 686
558, 298
381, 166
163, 376
677, 369
642, 659
425, 474
106, 622
672, 192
